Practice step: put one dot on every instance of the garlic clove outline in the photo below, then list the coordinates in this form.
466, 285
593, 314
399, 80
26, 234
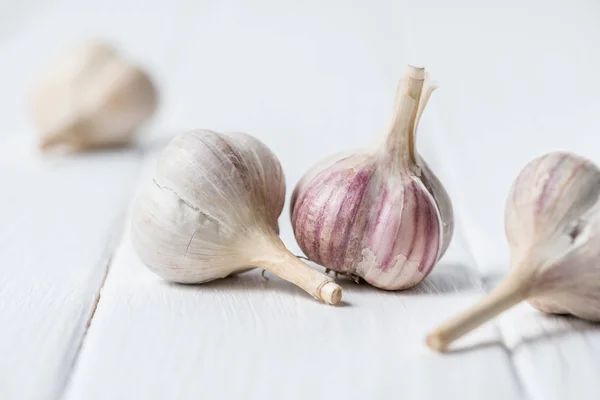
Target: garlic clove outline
378, 212
91, 97
552, 223
211, 210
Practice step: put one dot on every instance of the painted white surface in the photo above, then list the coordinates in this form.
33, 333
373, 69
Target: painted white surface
556, 357
59, 224
309, 79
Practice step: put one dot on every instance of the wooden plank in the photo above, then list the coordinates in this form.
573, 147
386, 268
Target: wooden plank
253, 338
557, 357
58, 217
58, 227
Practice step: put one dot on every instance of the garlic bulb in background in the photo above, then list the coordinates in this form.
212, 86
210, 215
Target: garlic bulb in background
380, 212
91, 97
211, 211
552, 223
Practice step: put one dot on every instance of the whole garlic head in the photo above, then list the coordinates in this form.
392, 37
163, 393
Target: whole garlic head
210, 192
91, 97
553, 228
211, 211
378, 212
552, 222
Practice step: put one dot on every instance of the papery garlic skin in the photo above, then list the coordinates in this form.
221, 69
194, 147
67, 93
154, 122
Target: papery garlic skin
442, 201
354, 218
193, 210
211, 211
552, 224
91, 97
377, 212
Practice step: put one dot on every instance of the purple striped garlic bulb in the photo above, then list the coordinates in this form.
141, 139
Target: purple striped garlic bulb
211, 210
552, 221
378, 213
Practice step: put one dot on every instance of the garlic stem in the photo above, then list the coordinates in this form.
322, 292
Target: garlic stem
69, 136
511, 291
280, 261
48, 142
401, 137
428, 88
62, 134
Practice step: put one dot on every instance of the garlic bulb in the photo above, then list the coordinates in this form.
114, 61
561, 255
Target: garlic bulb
552, 223
91, 97
212, 211
379, 212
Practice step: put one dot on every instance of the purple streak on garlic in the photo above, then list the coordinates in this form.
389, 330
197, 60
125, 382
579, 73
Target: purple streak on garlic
552, 222
379, 213
553, 228
211, 211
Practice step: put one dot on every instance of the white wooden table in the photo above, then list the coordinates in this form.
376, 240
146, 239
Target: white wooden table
82, 318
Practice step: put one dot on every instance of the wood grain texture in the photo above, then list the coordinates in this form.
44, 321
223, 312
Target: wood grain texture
59, 224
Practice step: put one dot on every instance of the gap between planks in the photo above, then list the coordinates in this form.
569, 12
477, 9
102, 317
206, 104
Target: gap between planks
112, 245
111, 248
451, 183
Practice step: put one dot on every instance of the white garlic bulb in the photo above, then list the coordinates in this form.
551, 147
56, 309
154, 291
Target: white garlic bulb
212, 211
379, 212
552, 221
91, 97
